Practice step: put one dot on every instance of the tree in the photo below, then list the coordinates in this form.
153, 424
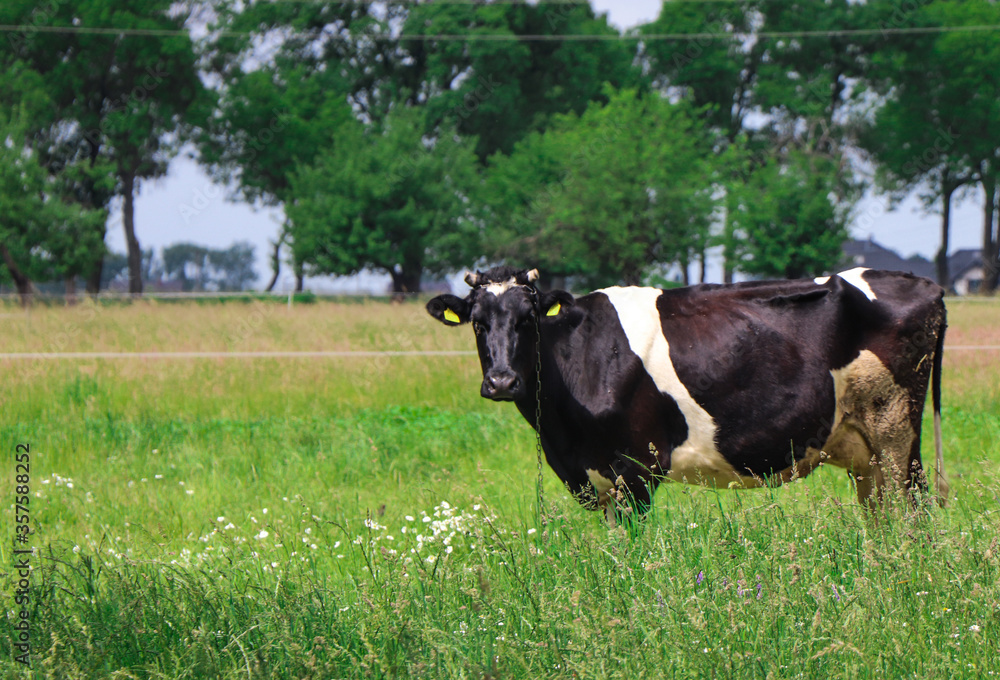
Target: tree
789, 222
42, 238
500, 90
119, 99
974, 90
279, 111
795, 89
718, 76
201, 268
937, 127
605, 196
233, 266
384, 197
327, 64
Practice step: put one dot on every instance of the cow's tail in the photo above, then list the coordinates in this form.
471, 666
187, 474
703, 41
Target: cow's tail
940, 483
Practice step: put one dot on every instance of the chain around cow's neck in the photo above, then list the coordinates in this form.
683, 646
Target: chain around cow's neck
538, 409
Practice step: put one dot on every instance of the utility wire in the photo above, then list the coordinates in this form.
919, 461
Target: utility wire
508, 37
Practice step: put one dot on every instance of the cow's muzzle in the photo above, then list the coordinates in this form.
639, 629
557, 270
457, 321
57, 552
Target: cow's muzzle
502, 386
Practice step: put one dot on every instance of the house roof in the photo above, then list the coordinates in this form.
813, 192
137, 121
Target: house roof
874, 256
961, 261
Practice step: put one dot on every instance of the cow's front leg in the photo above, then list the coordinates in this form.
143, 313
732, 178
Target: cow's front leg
622, 500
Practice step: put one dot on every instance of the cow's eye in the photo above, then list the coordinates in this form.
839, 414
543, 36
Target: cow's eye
477, 327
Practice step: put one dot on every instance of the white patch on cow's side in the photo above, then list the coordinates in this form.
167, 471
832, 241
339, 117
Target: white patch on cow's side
855, 278
697, 460
499, 289
820, 280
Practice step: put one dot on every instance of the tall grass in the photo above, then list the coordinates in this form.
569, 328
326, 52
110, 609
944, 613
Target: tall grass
376, 518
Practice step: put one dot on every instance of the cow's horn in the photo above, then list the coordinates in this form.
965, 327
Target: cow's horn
472, 278
532, 275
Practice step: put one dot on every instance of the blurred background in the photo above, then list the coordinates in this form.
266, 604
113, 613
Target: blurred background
383, 147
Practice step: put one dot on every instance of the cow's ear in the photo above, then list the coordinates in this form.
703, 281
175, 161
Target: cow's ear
449, 309
554, 303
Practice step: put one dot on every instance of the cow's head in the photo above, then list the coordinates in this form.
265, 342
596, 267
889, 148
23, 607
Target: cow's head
505, 309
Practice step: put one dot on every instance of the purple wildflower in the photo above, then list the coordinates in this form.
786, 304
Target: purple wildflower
760, 588
836, 594
699, 578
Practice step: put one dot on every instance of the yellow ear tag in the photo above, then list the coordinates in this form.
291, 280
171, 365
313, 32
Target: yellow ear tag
451, 316
553, 310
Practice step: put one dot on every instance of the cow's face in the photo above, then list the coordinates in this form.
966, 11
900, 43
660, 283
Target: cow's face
504, 316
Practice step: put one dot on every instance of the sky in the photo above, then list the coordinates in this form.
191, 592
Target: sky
186, 205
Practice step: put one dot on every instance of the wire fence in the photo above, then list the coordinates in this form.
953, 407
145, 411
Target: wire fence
45, 297
278, 354
513, 37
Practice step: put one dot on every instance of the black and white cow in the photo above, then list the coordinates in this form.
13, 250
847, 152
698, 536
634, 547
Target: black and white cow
745, 384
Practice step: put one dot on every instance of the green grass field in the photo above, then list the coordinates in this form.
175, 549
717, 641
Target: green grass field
327, 518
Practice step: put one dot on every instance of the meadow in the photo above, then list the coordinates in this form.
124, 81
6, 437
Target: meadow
374, 517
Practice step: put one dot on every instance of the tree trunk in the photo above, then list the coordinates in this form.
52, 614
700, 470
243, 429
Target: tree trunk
728, 256
21, 280
942, 255
685, 271
701, 264
991, 246
96, 269
94, 278
405, 280
275, 266
71, 290
128, 219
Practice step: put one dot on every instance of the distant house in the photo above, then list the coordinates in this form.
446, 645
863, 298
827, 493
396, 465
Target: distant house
965, 267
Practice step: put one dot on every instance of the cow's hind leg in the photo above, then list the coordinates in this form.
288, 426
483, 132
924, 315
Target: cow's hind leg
875, 438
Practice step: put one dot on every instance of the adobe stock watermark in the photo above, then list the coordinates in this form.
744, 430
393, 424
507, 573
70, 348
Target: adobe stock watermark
472, 100
899, 17
41, 15
931, 156
201, 198
694, 49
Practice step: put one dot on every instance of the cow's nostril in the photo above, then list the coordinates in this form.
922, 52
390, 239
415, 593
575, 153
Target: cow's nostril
501, 386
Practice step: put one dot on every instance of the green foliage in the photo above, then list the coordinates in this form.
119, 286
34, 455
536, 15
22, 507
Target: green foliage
43, 237
805, 82
936, 129
719, 76
791, 218
269, 122
119, 101
607, 195
387, 198
509, 88
931, 126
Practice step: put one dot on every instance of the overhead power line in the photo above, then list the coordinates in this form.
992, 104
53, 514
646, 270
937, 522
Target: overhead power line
507, 37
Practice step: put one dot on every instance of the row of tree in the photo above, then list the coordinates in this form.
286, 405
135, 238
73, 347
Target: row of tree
418, 138
188, 267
